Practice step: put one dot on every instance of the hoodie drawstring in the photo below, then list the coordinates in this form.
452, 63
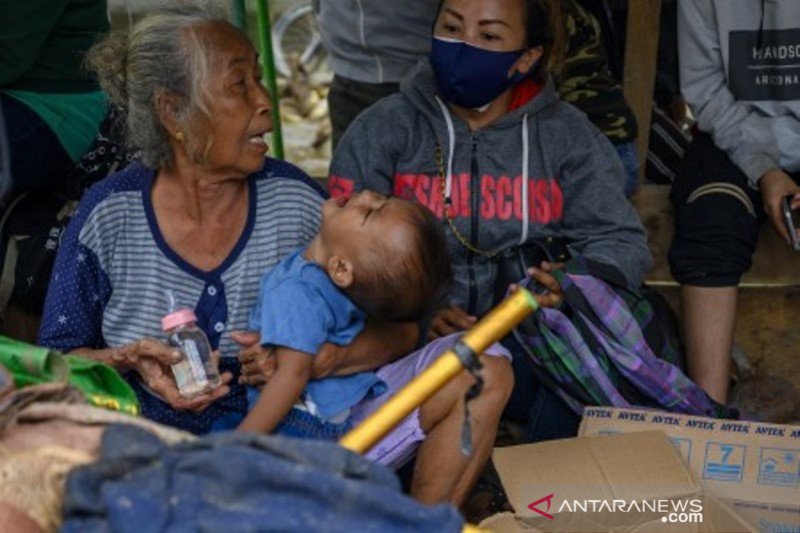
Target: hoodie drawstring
760, 43
451, 149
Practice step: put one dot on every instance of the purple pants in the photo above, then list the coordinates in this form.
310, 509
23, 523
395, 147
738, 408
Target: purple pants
399, 446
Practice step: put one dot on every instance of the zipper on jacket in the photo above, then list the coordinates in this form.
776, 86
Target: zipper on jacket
475, 198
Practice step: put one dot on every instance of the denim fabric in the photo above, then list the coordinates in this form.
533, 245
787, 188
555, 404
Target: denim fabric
297, 423
304, 425
630, 161
239, 482
544, 414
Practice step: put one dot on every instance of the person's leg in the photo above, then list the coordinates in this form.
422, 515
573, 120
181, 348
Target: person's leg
38, 161
717, 218
442, 472
348, 98
433, 431
709, 317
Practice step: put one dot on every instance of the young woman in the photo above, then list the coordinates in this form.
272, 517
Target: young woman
479, 136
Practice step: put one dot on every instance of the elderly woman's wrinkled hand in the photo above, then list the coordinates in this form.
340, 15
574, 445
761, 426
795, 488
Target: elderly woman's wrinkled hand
130, 355
258, 363
152, 359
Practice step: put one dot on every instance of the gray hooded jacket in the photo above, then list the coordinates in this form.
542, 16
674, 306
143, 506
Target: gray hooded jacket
546, 151
746, 96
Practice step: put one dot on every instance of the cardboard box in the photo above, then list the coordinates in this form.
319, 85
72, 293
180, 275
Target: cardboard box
754, 467
622, 483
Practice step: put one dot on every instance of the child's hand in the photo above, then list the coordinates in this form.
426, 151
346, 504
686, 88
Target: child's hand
258, 363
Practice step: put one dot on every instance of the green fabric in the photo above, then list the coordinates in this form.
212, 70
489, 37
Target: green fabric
101, 384
43, 42
74, 118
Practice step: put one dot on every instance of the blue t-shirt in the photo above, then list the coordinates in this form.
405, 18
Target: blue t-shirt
300, 308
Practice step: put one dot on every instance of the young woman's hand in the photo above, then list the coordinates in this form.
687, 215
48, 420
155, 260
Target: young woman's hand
544, 277
775, 185
450, 320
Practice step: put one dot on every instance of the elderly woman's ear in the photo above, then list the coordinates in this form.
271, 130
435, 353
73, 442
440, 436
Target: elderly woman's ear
168, 106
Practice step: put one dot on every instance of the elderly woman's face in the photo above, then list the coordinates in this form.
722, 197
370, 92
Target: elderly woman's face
239, 105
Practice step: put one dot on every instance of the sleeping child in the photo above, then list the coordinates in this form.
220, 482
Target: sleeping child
377, 257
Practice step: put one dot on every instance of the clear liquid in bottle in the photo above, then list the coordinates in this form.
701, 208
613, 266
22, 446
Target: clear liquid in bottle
197, 372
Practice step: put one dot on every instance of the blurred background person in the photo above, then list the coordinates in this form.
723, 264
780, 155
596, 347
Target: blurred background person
53, 107
371, 45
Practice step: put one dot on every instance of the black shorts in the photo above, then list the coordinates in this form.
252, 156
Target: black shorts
717, 218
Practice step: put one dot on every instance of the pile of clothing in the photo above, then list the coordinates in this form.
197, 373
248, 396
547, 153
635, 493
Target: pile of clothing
50, 423
68, 461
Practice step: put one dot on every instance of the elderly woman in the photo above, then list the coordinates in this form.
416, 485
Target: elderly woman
204, 216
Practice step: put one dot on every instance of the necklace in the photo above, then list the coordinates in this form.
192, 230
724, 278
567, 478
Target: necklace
448, 202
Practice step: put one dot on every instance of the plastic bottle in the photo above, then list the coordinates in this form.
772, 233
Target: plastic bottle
197, 372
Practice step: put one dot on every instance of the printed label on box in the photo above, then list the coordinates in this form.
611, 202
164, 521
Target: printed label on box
779, 467
724, 462
754, 465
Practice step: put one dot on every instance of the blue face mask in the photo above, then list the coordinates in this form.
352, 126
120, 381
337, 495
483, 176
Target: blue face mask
469, 76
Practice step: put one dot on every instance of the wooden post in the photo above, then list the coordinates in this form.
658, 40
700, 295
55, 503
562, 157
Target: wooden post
641, 57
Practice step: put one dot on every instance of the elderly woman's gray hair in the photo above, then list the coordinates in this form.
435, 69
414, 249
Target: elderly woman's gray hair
162, 53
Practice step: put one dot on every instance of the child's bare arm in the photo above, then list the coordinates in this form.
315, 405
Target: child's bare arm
281, 392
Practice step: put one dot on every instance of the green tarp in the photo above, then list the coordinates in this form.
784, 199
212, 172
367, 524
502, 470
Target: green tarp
102, 385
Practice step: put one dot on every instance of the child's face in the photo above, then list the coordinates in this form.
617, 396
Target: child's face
364, 220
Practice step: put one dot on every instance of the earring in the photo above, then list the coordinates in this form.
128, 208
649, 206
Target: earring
179, 137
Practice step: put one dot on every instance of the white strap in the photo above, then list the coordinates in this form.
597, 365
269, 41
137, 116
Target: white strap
451, 138
525, 171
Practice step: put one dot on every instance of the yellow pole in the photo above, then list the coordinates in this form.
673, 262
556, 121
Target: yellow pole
493, 327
